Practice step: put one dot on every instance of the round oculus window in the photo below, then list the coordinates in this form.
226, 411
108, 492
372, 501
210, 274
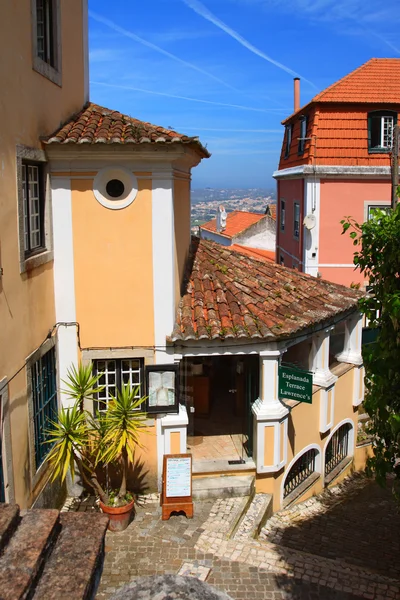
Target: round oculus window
115, 188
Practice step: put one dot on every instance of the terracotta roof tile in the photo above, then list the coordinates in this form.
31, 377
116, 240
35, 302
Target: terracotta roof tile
237, 221
96, 124
254, 252
228, 294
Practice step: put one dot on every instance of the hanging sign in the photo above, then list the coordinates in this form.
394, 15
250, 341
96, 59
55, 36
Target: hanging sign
295, 384
176, 493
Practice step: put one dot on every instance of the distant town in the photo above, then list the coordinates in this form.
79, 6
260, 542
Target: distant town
206, 200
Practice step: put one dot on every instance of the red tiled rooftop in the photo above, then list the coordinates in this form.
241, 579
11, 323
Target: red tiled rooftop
95, 124
236, 222
229, 294
254, 252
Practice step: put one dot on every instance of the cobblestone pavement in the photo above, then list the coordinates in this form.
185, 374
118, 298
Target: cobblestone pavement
258, 569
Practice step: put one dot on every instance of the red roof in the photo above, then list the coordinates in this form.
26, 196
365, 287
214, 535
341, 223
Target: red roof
237, 221
232, 295
254, 252
95, 124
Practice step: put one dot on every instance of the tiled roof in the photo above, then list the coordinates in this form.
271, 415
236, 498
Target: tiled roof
271, 208
231, 295
254, 252
237, 221
377, 80
98, 125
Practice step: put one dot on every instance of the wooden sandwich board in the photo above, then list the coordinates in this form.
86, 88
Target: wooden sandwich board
176, 492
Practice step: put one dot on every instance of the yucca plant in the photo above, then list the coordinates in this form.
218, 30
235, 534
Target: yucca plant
93, 442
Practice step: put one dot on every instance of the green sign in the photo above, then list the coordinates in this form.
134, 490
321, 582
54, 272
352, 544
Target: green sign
295, 384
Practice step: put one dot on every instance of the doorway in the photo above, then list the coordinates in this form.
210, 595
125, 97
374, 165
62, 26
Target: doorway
219, 393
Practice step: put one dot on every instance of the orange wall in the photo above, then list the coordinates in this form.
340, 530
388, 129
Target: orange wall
31, 106
340, 199
113, 268
290, 190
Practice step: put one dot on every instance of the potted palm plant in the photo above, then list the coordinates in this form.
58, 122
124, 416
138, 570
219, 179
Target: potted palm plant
88, 443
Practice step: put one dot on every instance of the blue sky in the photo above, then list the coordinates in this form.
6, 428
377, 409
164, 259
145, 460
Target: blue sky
223, 69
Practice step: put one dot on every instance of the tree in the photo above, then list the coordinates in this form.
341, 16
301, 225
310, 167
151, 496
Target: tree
378, 258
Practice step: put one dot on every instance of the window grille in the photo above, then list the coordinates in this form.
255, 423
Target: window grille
44, 393
302, 469
337, 449
116, 373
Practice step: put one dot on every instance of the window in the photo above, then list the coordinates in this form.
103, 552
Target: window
33, 207
46, 36
281, 260
380, 130
45, 406
114, 374
337, 449
296, 220
289, 132
302, 469
372, 208
45, 31
282, 215
303, 135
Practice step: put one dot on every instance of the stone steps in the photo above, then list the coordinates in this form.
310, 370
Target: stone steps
222, 486
253, 518
47, 556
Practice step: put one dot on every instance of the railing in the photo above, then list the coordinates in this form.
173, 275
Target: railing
337, 449
303, 468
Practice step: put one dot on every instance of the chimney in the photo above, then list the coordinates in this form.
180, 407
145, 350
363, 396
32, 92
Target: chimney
296, 94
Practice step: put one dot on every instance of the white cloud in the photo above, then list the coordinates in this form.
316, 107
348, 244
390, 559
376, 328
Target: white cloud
202, 11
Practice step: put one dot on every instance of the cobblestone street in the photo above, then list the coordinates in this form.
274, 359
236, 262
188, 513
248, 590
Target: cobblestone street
301, 553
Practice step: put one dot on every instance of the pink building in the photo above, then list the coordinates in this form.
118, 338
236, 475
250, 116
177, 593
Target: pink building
335, 162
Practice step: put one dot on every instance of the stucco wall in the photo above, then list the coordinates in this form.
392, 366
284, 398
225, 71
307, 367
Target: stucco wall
303, 433
339, 199
290, 190
32, 106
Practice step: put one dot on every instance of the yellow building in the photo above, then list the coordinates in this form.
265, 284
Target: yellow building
44, 75
97, 265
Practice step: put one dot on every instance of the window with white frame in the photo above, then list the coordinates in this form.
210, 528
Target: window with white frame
380, 130
303, 135
282, 214
114, 374
373, 208
296, 220
33, 207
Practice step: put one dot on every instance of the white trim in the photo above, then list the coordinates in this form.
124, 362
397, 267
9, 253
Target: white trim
160, 451
312, 203
107, 174
165, 425
351, 442
337, 265
85, 42
163, 244
318, 465
358, 390
64, 279
377, 203
325, 419
332, 171
8, 475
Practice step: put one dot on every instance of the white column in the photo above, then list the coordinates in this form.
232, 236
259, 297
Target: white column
319, 359
312, 189
64, 278
270, 417
163, 243
352, 341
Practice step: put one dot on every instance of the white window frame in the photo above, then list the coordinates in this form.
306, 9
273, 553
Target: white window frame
296, 232
368, 204
44, 253
105, 395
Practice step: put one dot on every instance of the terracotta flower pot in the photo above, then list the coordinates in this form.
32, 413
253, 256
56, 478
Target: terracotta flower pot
119, 515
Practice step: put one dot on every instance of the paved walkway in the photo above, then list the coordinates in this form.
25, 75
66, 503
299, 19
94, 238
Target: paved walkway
264, 569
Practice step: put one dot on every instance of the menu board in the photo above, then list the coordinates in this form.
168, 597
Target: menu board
178, 477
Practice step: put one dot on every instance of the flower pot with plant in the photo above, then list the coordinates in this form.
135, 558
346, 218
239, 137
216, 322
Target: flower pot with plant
89, 443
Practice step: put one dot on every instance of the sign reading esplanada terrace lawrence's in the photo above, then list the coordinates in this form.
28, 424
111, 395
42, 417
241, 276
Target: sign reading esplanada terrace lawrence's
295, 384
